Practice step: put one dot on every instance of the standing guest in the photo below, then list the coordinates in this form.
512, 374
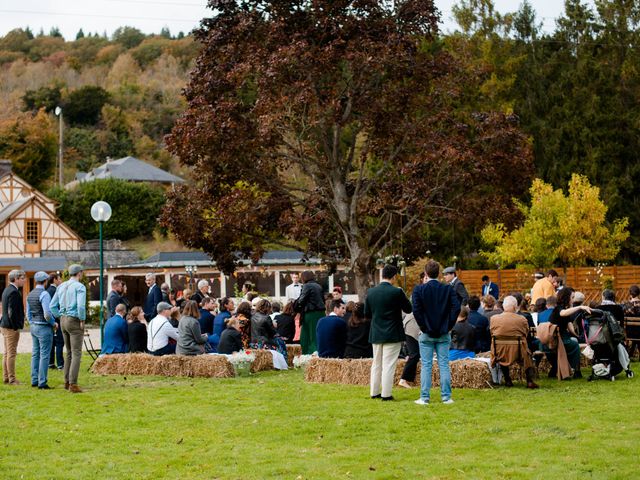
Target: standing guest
191, 340
231, 338
154, 296
292, 292
263, 333
331, 332
411, 336
436, 308
116, 333
115, 296
489, 288
160, 331
384, 306
57, 350
550, 304
510, 324
481, 324
451, 277
166, 292
311, 305
203, 291
183, 297
545, 287
69, 303
285, 323
137, 331
463, 340
358, 328
337, 293
11, 323
42, 325
205, 317
632, 309
243, 314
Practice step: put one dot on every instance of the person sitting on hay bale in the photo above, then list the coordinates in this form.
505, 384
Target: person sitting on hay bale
191, 340
137, 330
160, 332
263, 333
231, 338
462, 338
509, 333
243, 314
331, 332
116, 335
358, 328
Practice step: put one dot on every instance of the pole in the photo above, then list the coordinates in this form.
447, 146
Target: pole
60, 144
101, 268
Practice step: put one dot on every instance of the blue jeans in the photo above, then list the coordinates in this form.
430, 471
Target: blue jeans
441, 347
42, 337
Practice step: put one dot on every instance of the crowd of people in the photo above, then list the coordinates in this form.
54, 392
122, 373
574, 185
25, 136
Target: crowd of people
440, 321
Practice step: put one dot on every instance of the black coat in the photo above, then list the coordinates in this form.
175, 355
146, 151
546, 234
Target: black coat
436, 308
113, 300
12, 308
463, 336
384, 306
262, 329
137, 337
310, 299
286, 327
230, 341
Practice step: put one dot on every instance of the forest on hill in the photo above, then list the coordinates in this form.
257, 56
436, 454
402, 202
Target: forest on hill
574, 90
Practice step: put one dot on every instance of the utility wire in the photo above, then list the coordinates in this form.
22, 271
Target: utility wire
95, 15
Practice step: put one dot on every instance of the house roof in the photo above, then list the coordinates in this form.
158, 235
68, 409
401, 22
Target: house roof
34, 191
14, 207
131, 169
201, 259
47, 264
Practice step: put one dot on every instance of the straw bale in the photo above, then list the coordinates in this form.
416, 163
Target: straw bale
293, 350
263, 361
216, 366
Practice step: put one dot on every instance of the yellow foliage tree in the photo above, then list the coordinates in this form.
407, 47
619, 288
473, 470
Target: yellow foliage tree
567, 230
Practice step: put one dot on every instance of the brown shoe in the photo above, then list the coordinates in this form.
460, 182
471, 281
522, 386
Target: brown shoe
5, 380
532, 385
66, 386
15, 382
73, 388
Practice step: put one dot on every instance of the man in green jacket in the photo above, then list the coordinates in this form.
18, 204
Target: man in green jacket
384, 306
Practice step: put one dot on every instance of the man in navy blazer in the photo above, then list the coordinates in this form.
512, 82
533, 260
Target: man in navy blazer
490, 288
436, 308
154, 297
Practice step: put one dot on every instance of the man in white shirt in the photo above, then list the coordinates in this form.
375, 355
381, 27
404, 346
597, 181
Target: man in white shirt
293, 290
160, 331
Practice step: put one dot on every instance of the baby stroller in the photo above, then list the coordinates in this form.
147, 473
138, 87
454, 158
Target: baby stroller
605, 337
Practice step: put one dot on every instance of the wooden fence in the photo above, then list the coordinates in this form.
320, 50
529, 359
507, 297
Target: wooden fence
588, 280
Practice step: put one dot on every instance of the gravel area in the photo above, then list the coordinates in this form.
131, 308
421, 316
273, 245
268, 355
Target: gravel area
24, 346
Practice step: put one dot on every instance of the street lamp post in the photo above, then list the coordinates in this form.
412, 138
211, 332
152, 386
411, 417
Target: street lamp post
58, 112
101, 212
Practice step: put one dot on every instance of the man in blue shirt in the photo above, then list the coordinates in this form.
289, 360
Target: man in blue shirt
116, 335
545, 315
69, 304
42, 325
331, 332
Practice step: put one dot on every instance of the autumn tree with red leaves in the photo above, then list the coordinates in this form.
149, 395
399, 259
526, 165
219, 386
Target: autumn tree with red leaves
336, 127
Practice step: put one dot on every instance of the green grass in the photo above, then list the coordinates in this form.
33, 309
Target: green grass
274, 425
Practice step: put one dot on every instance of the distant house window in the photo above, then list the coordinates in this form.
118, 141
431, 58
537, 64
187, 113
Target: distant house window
32, 236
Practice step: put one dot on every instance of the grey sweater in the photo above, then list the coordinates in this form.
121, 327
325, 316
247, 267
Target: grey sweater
190, 339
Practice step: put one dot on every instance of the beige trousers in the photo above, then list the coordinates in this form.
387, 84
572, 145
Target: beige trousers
11, 338
383, 368
73, 336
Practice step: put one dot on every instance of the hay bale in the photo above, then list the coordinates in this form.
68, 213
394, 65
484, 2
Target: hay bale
263, 361
293, 350
215, 366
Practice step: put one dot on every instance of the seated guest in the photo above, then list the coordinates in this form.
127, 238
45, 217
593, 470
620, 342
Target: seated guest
243, 314
481, 324
182, 299
137, 331
510, 324
220, 320
205, 317
174, 316
230, 338
263, 333
331, 332
191, 340
286, 323
203, 291
578, 299
544, 315
561, 316
632, 309
489, 307
609, 305
116, 333
463, 340
358, 328
276, 308
160, 332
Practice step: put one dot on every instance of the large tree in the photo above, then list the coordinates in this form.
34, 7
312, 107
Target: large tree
338, 127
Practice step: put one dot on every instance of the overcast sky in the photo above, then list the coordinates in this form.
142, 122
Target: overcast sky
179, 15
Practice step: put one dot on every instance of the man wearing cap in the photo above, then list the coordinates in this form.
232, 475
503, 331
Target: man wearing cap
154, 296
69, 304
42, 326
11, 324
451, 277
160, 331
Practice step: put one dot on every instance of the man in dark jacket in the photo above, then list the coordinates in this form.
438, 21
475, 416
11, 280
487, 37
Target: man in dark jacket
57, 350
451, 277
154, 297
115, 296
436, 308
11, 324
331, 332
481, 324
384, 306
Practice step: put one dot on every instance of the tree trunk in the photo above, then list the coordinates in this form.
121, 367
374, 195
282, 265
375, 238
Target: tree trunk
363, 276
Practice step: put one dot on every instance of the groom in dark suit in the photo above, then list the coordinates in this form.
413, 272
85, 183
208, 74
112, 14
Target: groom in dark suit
384, 306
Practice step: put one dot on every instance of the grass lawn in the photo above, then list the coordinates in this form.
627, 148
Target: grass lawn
274, 425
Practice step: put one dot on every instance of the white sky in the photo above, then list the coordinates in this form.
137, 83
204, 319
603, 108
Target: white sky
179, 15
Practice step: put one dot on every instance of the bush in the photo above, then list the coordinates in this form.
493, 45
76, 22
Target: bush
83, 106
135, 206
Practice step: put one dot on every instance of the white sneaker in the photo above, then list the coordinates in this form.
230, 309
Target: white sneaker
448, 402
421, 402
